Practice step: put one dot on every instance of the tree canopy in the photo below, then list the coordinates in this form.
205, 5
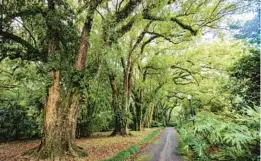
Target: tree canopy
70, 68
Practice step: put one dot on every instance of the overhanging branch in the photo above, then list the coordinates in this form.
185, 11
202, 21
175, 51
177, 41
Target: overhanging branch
31, 49
26, 12
184, 69
127, 10
147, 16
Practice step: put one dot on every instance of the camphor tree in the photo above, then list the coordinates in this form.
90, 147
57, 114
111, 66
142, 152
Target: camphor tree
61, 34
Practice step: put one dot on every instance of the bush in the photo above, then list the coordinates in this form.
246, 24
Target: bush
18, 122
172, 124
229, 136
156, 124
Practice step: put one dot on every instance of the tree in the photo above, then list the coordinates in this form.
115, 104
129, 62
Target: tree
245, 73
54, 34
245, 79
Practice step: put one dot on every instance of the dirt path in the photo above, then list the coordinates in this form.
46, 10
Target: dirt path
163, 149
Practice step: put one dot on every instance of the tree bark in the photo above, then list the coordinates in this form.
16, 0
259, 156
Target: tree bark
60, 113
139, 110
115, 107
170, 113
60, 119
150, 113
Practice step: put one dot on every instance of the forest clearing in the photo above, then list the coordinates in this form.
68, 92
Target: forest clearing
142, 80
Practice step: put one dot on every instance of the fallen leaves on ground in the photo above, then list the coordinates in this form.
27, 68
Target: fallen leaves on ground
98, 147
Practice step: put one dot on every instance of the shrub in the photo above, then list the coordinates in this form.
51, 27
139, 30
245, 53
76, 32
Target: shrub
156, 124
229, 136
18, 122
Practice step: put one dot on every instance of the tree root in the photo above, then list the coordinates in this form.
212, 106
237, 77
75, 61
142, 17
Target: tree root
41, 153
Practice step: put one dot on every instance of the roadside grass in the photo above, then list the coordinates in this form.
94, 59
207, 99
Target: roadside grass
126, 153
156, 142
144, 157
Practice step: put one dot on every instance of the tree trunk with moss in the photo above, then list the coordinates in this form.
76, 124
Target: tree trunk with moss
115, 106
60, 117
60, 112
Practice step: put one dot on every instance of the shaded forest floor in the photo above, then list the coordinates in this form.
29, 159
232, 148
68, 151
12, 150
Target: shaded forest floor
98, 147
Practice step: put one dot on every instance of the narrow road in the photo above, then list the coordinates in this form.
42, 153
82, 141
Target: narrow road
163, 149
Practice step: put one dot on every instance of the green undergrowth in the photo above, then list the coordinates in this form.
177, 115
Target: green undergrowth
229, 136
126, 153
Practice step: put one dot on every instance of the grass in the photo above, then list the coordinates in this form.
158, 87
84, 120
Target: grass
151, 135
122, 155
156, 142
144, 157
125, 154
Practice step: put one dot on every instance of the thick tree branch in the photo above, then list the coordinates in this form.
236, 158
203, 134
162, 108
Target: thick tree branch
121, 31
127, 10
81, 57
189, 72
31, 35
36, 54
147, 16
147, 42
26, 12
141, 36
160, 35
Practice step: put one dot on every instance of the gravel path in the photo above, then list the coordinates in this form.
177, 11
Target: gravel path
163, 149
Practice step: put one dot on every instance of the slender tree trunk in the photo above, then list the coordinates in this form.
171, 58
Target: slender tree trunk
170, 113
150, 113
139, 117
141, 109
115, 106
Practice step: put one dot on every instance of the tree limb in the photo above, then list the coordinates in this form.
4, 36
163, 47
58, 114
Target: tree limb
147, 16
127, 10
26, 12
36, 53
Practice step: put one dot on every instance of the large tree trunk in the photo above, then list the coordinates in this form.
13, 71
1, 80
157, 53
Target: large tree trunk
60, 115
60, 119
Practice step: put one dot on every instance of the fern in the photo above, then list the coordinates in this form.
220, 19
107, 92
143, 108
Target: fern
219, 137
